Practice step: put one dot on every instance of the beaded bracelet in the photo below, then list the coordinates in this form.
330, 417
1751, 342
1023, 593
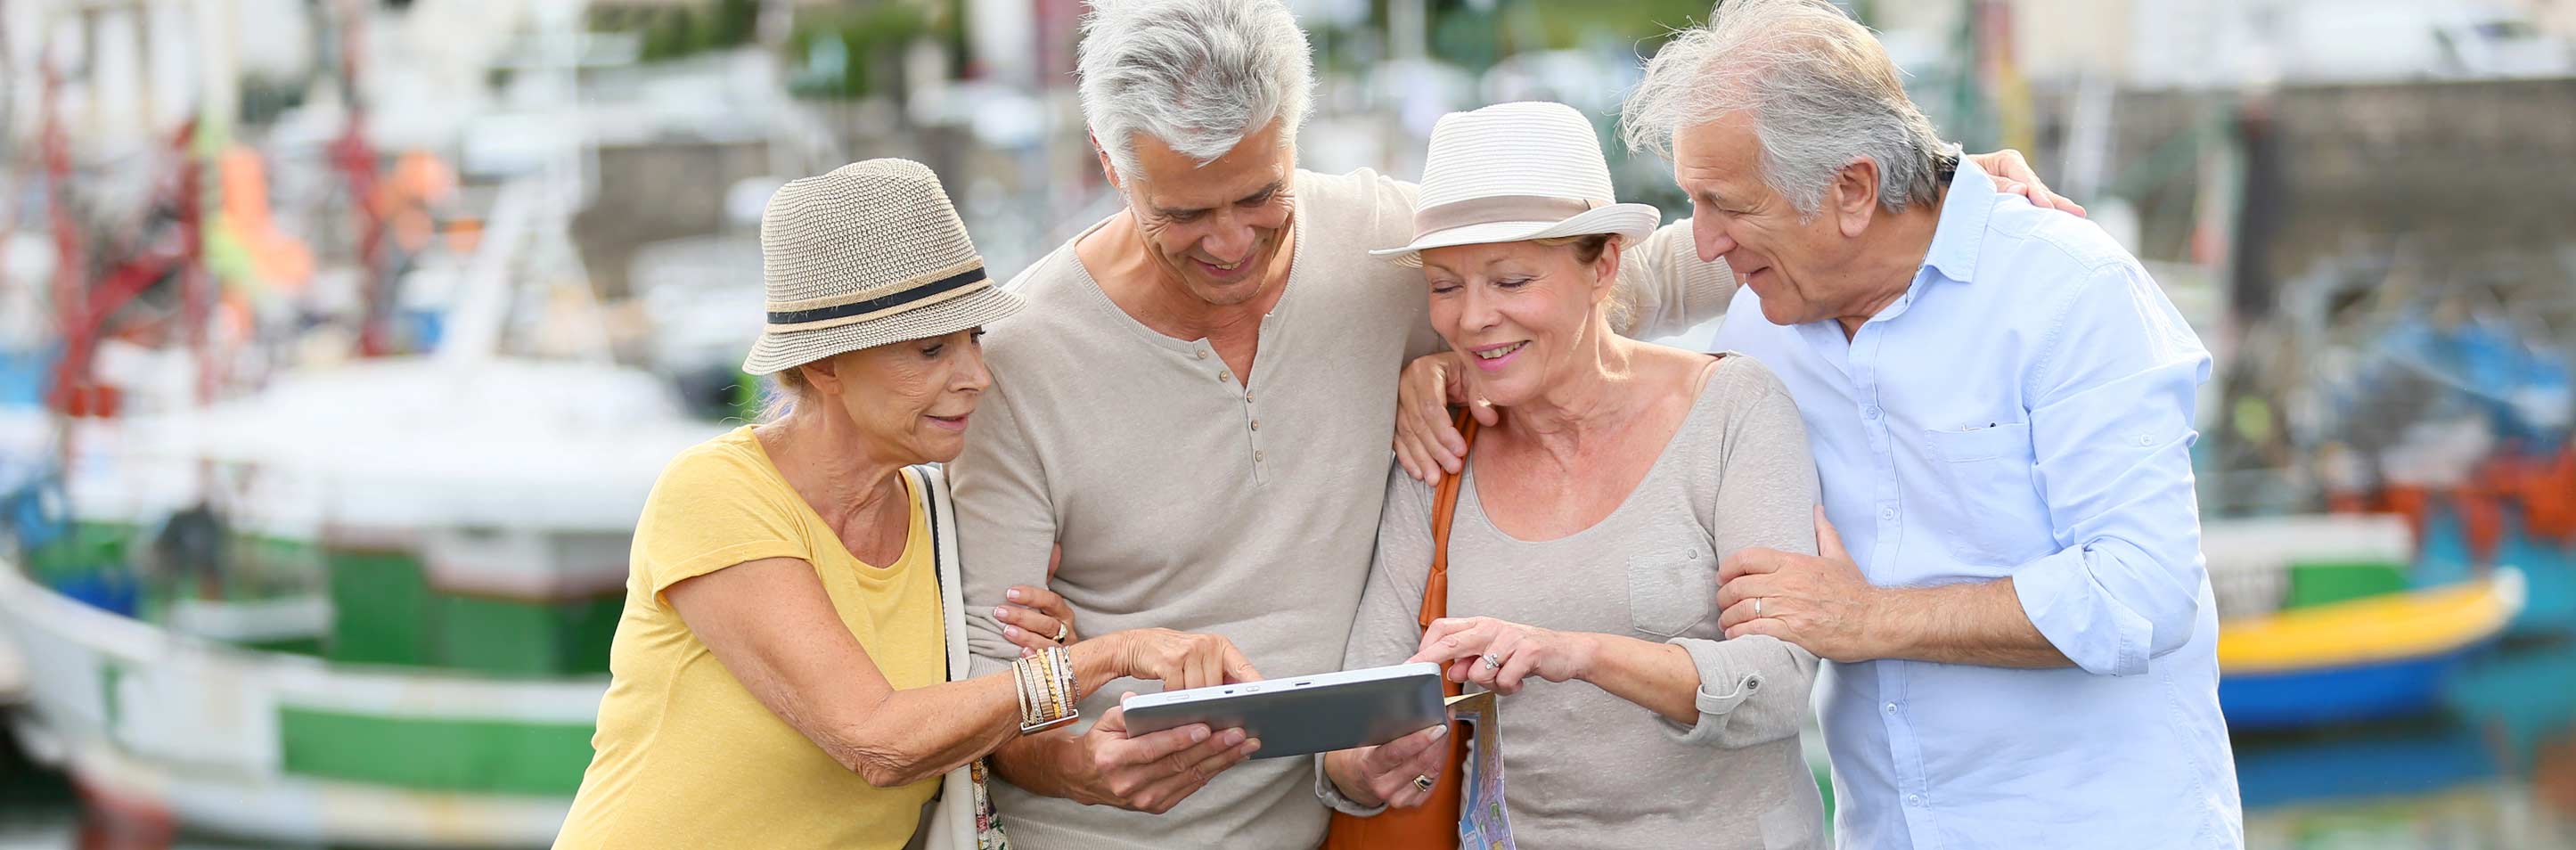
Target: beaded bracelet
1064, 676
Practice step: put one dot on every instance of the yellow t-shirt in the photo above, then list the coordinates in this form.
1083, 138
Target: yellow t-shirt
685, 757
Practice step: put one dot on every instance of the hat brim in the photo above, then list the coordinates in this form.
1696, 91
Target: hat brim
1633, 221
777, 351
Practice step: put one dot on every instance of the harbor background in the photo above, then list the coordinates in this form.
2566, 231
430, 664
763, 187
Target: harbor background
339, 339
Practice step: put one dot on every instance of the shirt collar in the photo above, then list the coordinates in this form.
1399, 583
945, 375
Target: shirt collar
1962, 228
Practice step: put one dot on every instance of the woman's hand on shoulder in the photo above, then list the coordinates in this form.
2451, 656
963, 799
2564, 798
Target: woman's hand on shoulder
2013, 175
1427, 442
1501, 655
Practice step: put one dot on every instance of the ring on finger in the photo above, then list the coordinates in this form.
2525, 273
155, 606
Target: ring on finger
1422, 781
1493, 662
1757, 606
1062, 631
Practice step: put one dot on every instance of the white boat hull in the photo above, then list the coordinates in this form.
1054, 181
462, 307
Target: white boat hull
208, 733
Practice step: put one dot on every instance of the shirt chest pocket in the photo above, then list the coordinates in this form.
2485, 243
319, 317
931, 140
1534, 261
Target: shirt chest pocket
1672, 586
1990, 511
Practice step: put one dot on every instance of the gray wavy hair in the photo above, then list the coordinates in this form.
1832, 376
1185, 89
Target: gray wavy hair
1822, 92
1198, 75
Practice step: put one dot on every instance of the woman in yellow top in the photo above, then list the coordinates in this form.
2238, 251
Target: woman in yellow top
782, 666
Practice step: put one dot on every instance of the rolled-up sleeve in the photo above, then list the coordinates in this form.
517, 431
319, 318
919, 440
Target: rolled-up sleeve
1752, 690
2111, 431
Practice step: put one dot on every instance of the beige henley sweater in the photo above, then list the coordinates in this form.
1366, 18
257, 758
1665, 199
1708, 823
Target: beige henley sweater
1191, 498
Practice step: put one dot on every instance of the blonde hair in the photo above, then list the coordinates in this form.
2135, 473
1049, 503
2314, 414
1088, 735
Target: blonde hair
786, 387
1588, 249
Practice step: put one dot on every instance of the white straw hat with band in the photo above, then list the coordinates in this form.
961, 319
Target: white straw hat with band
1513, 172
868, 254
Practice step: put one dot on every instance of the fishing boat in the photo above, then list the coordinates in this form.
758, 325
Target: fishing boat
2321, 620
358, 602
436, 685
2361, 659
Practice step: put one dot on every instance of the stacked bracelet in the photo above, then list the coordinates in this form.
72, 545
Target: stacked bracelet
1046, 690
1020, 681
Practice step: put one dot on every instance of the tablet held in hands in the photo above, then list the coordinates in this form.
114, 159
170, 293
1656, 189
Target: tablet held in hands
1304, 715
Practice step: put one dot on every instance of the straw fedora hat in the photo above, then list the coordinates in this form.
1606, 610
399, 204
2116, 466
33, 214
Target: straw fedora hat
1513, 172
868, 254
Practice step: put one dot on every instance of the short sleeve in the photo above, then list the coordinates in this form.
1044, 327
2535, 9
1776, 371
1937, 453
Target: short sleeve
715, 506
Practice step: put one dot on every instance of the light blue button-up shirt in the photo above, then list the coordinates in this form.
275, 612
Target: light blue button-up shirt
2023, 410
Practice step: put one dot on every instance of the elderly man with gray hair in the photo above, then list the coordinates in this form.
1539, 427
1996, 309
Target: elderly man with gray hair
1188, 483
2018, 621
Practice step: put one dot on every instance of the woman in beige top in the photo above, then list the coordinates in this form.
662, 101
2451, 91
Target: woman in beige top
1589, 526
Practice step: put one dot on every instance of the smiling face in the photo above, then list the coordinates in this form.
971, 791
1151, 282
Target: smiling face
1215, 229
1525, 314
1795, 262
910, 400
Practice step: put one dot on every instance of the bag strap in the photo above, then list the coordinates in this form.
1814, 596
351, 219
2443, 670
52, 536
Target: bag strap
1444, 507
931, 486
962, 815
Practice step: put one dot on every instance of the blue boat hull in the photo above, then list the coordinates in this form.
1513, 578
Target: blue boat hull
2363, 692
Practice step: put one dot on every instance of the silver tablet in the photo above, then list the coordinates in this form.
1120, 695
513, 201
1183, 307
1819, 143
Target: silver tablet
1304, 715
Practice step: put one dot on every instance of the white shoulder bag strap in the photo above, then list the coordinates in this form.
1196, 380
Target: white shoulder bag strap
962, 818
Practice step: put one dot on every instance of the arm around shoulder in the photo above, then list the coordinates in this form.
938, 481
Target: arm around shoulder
1667, 287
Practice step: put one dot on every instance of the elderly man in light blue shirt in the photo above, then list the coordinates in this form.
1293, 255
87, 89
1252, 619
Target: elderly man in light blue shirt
2000, 401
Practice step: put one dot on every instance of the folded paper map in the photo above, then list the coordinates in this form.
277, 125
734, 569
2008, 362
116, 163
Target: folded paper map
1482, 822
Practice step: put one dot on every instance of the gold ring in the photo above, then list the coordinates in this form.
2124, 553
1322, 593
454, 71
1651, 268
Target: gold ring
1422, 781
1062, 631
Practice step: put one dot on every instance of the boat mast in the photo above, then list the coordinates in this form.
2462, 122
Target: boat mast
355, 157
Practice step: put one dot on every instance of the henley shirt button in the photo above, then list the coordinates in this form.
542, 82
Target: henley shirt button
1247, 396
1870, 413
1888, 514
1891, 708
1256, 424
1225, 376
1256, 457
1201, 353
1914, 799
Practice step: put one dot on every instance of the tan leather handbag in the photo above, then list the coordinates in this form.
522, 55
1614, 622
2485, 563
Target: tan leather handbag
1434, 824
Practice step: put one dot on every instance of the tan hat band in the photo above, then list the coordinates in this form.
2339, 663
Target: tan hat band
1496, 208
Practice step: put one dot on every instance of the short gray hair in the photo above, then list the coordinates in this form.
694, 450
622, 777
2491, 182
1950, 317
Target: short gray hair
1198, 75
1822, 93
